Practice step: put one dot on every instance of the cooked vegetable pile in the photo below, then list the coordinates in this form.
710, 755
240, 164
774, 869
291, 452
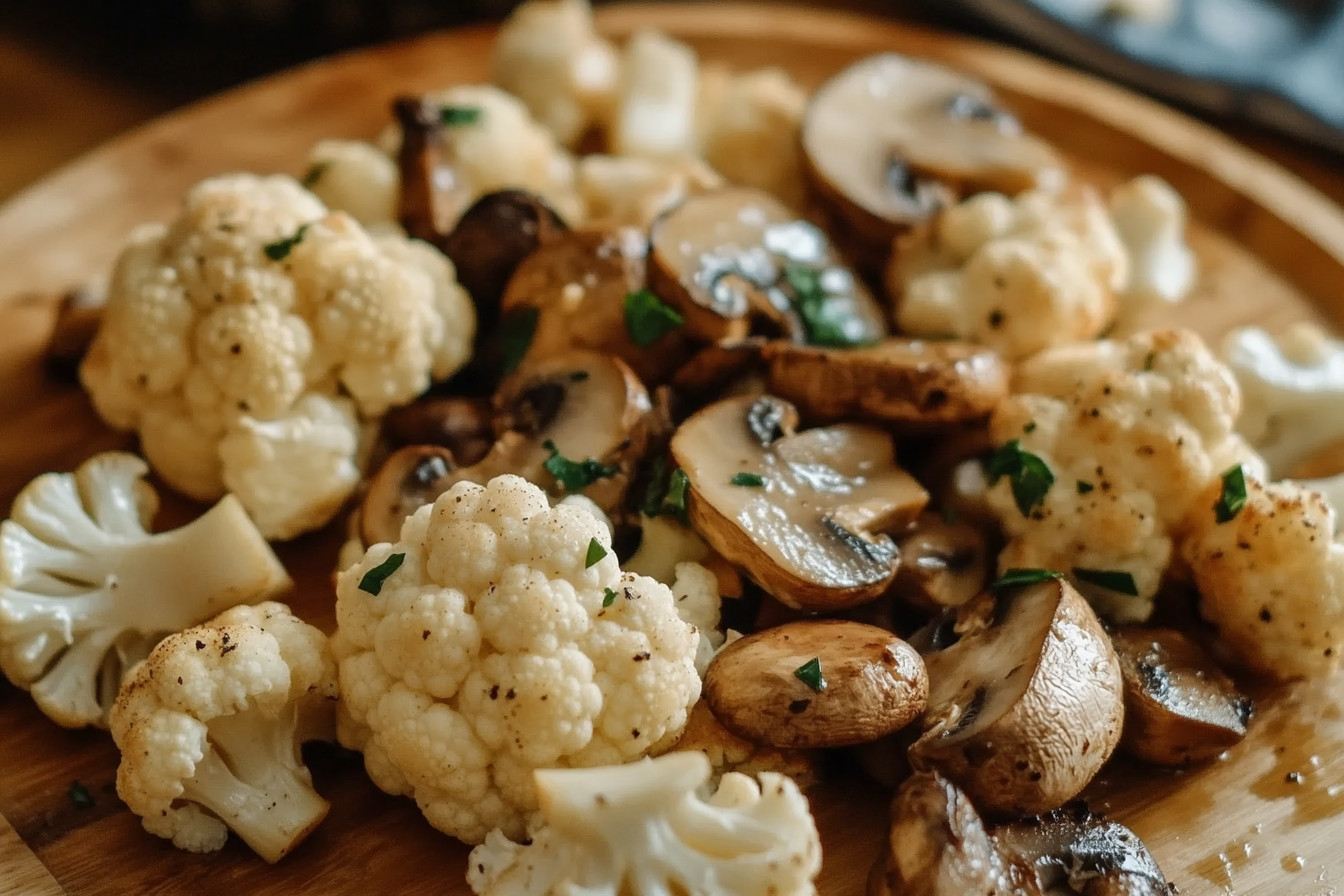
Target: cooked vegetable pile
693, 438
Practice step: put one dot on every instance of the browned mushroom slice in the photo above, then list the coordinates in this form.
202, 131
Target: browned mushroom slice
816, 683
909, 382
804, 514
424, 210
1074, 851
943, 564
716, 367
462, 425
409, 479
891, 139
1027, 704
1179, 707
738, 257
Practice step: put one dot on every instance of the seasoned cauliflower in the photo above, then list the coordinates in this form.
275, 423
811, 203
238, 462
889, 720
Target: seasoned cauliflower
1149, 217
644, 830
1019, 275
1270, 578
656, 98
748, 130
499, 636
1105, 447
210, 725
628, 191
356, 178
237, 328
1293, 391
549, 56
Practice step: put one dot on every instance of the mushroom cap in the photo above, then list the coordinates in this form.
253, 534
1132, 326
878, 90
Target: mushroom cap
943, 564
1027, 705
410, 478
812, 531
872, 683
1089, 854
913, 383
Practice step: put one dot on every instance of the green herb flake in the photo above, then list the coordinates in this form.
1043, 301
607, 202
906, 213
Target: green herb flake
578, 376
674, 502
608, 596
1029, 427
595, 553
656, 488
1116, 580
574, 475
828, 319
1233, 496
459, 116
748, 480
648, 318
515, 337
1020, 578
79, 795
809, 673
280, 249
1027, 474
373, 580
314, 173
1084, 487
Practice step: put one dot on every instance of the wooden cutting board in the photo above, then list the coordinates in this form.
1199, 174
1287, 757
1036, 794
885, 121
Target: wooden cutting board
1271, 250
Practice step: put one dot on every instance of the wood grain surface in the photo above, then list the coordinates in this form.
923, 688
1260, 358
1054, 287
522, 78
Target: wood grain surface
1267, 819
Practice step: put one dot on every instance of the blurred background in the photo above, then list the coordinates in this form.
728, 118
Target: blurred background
75, 72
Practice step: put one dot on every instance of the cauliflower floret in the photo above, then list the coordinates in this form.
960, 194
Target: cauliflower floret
210, 725
1149, 216
671, 553
357, 178
86, 591
644, 830
1019, 275
748, 126
1271, 578
498, 636
549, 56
627, 191
1293, 391
696, 590
1105, 448
655, 99
253, 299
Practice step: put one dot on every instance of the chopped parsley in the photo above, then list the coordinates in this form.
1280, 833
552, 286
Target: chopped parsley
1084, 487
314, 173
515, 336
608, 596
459, 116
79, 795
574, 475
665, 495
1028, 475
809, 673
1116, 580
1019, 578
1233, 496
1029, 427
280, 249
824, 318
674, 502
648, 318
748, 480
595, 554
373, 580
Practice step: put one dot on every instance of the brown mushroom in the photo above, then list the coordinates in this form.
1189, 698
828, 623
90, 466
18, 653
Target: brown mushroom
77, 320
891, 139
586, 288
716, 367
425, 211
737, 257
1074, 851
803, 514
462, 425
816, 683
1179, 707
912, 383
943, 564
1027, 704
409, 479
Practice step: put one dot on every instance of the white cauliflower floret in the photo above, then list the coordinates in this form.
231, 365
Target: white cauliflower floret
628, 191
644, 830
1019, 275
1293, 391
498, 636
1130, 432
655, 99
86, 591
1149, 216
220, 324
210, 725
549, 55
748, 129
671, 553
696, 590
357, 178
1271, 578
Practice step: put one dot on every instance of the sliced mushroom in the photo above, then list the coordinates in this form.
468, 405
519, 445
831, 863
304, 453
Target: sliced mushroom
77, 321
579, 283
1179, 707
891, 139
1027, 704
716, 367
804, 514
409, 479
1074, 851
427, 206
816, 683
462, 425
734, 258
943, 564
900, 381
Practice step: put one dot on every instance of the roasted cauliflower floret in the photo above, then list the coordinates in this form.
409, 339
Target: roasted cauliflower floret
357, 178
748, 130
227, 322
656, 96
499, 636
1150, 218
1019, 275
